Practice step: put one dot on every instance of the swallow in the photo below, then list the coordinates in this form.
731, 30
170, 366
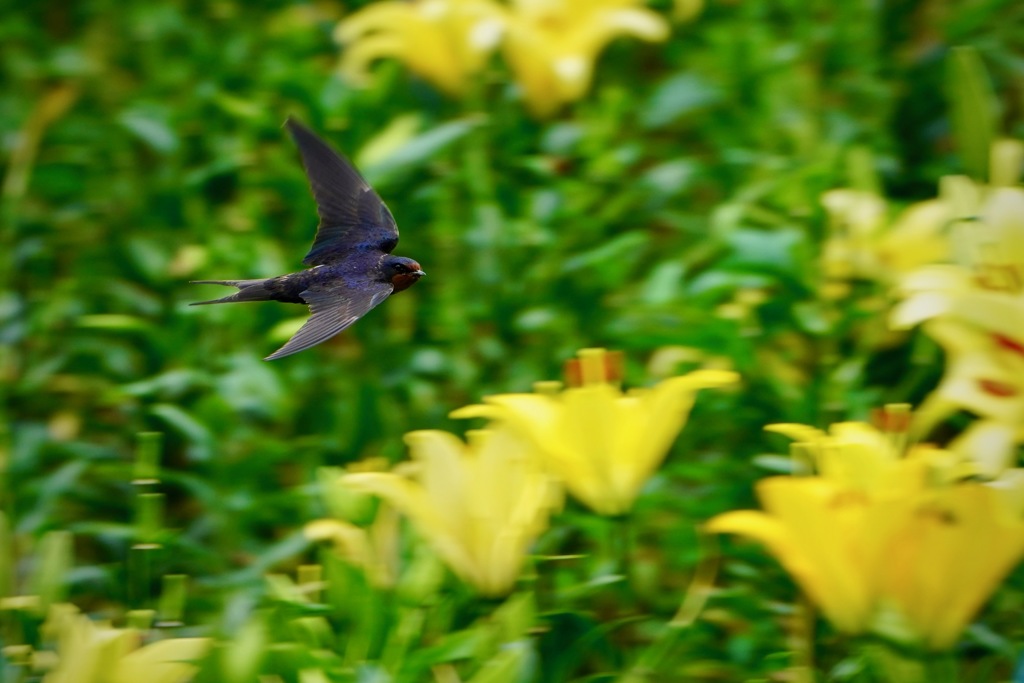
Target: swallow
351, 266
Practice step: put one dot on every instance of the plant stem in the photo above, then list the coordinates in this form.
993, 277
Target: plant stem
619, 546
654, 662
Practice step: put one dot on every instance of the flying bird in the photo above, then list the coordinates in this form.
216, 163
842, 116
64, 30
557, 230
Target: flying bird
351, 266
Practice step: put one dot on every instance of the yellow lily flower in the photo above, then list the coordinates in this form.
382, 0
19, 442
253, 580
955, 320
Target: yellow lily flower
445, 42
984, 369
855, 454
822, 540
602, 443
373, 550
94, 652
887, 544
945, 558
976, 314
914, 567
480, 504
864, 243
989, 445
551, 45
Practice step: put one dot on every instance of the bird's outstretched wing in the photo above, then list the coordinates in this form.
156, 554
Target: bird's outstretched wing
352, 216
333, 306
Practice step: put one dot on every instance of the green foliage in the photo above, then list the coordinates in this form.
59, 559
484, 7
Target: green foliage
142, 148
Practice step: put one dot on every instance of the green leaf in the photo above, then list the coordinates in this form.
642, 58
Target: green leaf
202, 441
613, 258
678, 96
150, 125
240, 661
53, 561
972, 109
516, 616
7, 557
776, 250
393, 137
418, 150
505, 667
112, 321
778, 464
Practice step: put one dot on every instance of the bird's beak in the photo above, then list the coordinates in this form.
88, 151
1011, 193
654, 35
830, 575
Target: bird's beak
418, 273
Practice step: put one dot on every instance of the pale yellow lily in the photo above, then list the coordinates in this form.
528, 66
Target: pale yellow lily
374, 550
989, 446
602, 443
897, 546
446, 42
364, 535
865, 243
94, 652
976, 314
552, 45
984, 370
996, 239
480, 504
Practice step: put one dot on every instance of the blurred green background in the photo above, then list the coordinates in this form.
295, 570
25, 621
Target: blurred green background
673, 213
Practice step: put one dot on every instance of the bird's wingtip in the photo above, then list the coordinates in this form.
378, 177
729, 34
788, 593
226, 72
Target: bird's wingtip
277, 354
292, 124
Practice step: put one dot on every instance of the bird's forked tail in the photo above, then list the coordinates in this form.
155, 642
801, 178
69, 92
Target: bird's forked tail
248, 290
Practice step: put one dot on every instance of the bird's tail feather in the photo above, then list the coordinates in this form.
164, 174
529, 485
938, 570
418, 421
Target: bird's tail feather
248, 290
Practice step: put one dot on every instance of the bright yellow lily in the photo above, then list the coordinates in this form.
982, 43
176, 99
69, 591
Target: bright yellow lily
822, 539
551, 45
945, 558
93, 652
480, 504
602, 443
886, 544
445, 42
854, 454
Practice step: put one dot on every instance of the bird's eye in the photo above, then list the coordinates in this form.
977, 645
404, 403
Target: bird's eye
401, 268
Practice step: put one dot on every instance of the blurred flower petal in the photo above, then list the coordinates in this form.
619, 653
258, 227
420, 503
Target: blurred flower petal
165, 661
480, 505
602, 443
551, 47
446, 42
903, 553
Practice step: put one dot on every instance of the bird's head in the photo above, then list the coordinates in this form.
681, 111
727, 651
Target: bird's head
402, 272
